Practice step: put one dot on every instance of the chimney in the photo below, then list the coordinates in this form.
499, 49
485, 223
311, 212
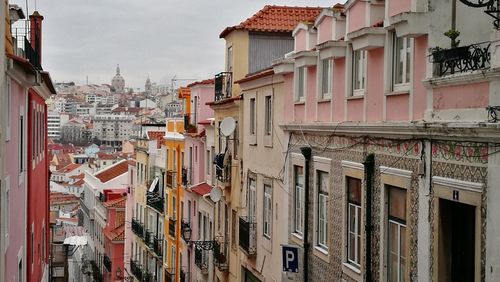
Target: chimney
36, 34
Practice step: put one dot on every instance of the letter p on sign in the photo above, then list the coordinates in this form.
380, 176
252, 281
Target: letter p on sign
290, 256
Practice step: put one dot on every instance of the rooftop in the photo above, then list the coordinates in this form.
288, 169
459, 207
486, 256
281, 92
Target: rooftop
112, 171
69, 168
275, 19
116, 203
201, 189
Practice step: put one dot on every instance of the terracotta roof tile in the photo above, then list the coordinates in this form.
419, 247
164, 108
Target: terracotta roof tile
78, 176
78, 183
202, 82
69, 168
117, 234
113, 171
116, 203
276, 19
201, 189
104, 156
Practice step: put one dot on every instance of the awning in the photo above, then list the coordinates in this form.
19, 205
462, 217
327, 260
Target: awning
153, 184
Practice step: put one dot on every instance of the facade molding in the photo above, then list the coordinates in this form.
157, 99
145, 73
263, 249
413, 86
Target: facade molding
458, 184
395, 172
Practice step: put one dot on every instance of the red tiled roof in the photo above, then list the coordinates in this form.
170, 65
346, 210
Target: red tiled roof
113, 171
78, 183
205, 122
78, 176
116, 203
104, 156
257, 75
202, 82
201, 189
69, 168
57, 198
275, 19
117, 234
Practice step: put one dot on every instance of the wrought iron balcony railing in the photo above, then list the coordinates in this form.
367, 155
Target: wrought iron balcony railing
107, 263
147, 276
461, 59
148, 239
171, 227
171, 179
155, 201
220, 255
158, 246
223, 85
137, 228
186, 176
222, 168
136, 269
247, 235
201, 259
185, 225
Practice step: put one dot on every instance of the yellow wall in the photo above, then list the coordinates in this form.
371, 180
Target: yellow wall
238, 39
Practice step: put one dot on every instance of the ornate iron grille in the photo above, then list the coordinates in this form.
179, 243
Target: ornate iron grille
492, 8
247, 237
462, 59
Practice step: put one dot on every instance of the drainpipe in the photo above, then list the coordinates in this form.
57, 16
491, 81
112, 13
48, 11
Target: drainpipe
369, 164
306, 152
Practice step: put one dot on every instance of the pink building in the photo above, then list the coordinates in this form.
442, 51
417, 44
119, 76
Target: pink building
394, 142
114, 232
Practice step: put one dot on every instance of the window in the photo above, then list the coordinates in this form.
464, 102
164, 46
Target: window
268, 115
172, 256
300, 84
174, 208
208, 163
358, 72
326, 78
298, 173
397, 234
20, 270
268, 214
400, 63
322, 200
6, 210
354, 221
8, 110
229, 59
21, 140
252, 197
252, 116
199, 226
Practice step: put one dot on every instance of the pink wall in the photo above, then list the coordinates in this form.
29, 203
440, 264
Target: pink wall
397, 107
310, 94
205, 93
17, 192
398, 6
467, 96
357, 16
300, 40
375, 85
198, 162
338, 95
325, 30
324, 111
419, 93
355, 109
299, 113
288, 97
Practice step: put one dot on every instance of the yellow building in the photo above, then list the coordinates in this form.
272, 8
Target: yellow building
174, 244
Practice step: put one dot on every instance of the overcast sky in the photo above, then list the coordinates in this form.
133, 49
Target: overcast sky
159, 38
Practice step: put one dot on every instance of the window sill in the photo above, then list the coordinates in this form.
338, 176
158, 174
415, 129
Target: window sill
297, 238
355, 97
351, 271
324, 100
299, 102
322, 253
397, 93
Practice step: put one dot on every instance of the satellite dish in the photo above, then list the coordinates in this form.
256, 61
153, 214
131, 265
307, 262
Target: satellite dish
227, 126
215, 194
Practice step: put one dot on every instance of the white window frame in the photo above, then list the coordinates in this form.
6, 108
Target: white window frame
321, 222
268, 116
253, 116
252, 199
268, 211
354, 210
325, 79
300, 84
361, 69
401, 227
298, 197
406, 63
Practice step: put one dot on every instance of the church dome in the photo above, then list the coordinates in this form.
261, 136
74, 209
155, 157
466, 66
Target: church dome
118, 82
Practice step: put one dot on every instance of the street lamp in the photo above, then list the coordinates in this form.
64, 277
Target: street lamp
186, 232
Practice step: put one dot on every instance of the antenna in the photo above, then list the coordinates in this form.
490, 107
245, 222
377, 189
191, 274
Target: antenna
227, 126
215, 194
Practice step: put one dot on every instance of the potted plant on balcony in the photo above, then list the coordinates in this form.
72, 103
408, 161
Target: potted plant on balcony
440, 55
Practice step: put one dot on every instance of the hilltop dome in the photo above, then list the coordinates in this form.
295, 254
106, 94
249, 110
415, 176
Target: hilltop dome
118, 83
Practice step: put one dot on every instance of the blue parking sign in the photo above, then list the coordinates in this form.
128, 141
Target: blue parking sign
290, 255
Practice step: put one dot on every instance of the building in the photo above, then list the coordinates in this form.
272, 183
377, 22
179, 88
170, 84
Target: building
25, 192
54, 122
118, 82
251, 46
112, 130
75, 132
114, 233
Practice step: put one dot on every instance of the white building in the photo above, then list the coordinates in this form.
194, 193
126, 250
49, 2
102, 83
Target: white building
112, 129
54, 123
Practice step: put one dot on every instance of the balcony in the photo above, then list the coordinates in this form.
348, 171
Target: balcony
186, 177
137, 228
170, 179
147, 276
223, 168
158, 246
223, 86
24, 48
461, 59
171, 227
201, 259
136, 269
148, 239
185, 225
190, 127
155, 201
107, 263
183, 276
247, 236
220, 255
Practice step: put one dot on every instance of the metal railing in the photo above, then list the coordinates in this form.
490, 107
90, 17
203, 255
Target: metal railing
222, 172
137, 228
223, 85
186, 176
155, 201
247, 238
148, 239
158, 246
220, 255
23, 46
107, 263
201, 259
147, 276
171, 227
461, 59
136, 269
